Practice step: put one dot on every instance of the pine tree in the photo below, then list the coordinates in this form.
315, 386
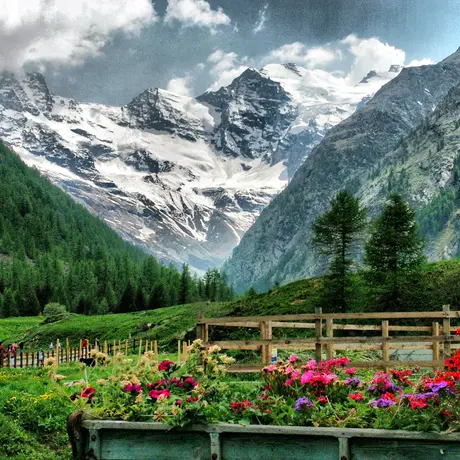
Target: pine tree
140, 302
158, 297
336, 235
185, 282
394, 252
127, 302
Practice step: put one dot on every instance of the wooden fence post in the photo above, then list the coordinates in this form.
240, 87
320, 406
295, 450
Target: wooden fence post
318, 333
385, 343
447, 349
178, 352
263, 349
200, 328
155, 351
140, 350
330, 335
67, 350
435, 333
269, 336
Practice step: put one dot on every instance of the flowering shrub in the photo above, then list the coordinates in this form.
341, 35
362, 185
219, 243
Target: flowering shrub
326, 393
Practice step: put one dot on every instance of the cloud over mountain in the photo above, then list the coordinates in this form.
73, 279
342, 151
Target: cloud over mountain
65, 32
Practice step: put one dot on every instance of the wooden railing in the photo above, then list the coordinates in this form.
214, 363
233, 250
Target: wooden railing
66, 354
441, 338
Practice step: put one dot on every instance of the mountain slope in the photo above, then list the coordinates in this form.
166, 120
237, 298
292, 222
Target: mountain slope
184, 178
278, 246
53, 250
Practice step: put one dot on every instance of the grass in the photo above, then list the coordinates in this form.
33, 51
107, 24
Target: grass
166, 324
437, 285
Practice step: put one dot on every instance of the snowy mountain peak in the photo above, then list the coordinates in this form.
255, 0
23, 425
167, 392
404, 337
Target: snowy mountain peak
185, 178
395, 68
162, 110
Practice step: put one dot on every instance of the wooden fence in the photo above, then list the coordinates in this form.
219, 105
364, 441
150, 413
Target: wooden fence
439, 336
67, 354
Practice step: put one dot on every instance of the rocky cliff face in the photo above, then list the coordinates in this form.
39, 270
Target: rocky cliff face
277, 247
185, 178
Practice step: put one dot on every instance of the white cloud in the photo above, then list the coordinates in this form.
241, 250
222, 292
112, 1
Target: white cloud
225, 68
64, 32
195, 13
260, 24
371, 54
180, 86
298, 53
354, 57
420, 62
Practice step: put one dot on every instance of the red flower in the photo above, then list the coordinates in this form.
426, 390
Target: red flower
130, 388
350, 371
193, 399
88, 392
457, 332
356, 396
165, 365
155, 394
322, 400
190, 382
418, 403
240, 406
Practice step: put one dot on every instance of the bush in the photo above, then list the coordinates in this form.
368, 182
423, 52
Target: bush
54, 312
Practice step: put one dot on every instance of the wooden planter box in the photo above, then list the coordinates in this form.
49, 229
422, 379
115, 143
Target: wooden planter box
104, 440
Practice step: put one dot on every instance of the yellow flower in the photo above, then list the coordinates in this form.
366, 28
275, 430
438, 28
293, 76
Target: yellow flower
13, 398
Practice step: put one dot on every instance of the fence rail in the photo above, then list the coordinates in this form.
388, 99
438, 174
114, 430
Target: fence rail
67, 354
441, 338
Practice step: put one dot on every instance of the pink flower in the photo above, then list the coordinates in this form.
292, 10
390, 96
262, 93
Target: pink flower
293, 358
289, 382
311, 365
306, 377
165, 365
88, 392
350, 371
130, 388
271, 368
295, 375
155, 394
289, 370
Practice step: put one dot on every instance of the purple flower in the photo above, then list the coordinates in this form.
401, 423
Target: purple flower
383, 403
439, 386
302, 403
353, 382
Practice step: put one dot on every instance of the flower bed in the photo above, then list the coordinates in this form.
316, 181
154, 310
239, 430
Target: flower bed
292, 393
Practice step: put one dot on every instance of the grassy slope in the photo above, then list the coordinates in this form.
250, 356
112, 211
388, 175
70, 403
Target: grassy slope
440, 284
167, 324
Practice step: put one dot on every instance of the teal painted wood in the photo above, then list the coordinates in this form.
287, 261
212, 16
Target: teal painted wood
404, 449
147, 445
117, 440
236, 446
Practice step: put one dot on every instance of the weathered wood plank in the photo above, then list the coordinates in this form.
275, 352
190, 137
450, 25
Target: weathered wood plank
336, 316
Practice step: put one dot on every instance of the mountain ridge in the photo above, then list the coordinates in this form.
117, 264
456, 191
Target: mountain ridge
182, 177
277, 247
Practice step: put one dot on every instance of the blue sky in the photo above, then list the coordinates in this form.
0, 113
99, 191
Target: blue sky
109, 51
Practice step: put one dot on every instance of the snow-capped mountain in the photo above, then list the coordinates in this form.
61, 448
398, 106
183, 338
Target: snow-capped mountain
408, 131
183, 177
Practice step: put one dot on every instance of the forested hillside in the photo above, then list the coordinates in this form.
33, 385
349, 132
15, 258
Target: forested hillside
53, 250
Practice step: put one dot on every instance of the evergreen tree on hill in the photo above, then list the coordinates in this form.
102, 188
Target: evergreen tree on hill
336, 235
394, 252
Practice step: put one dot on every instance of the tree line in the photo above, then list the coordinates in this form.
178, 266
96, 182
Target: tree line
52, 250
393, 252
